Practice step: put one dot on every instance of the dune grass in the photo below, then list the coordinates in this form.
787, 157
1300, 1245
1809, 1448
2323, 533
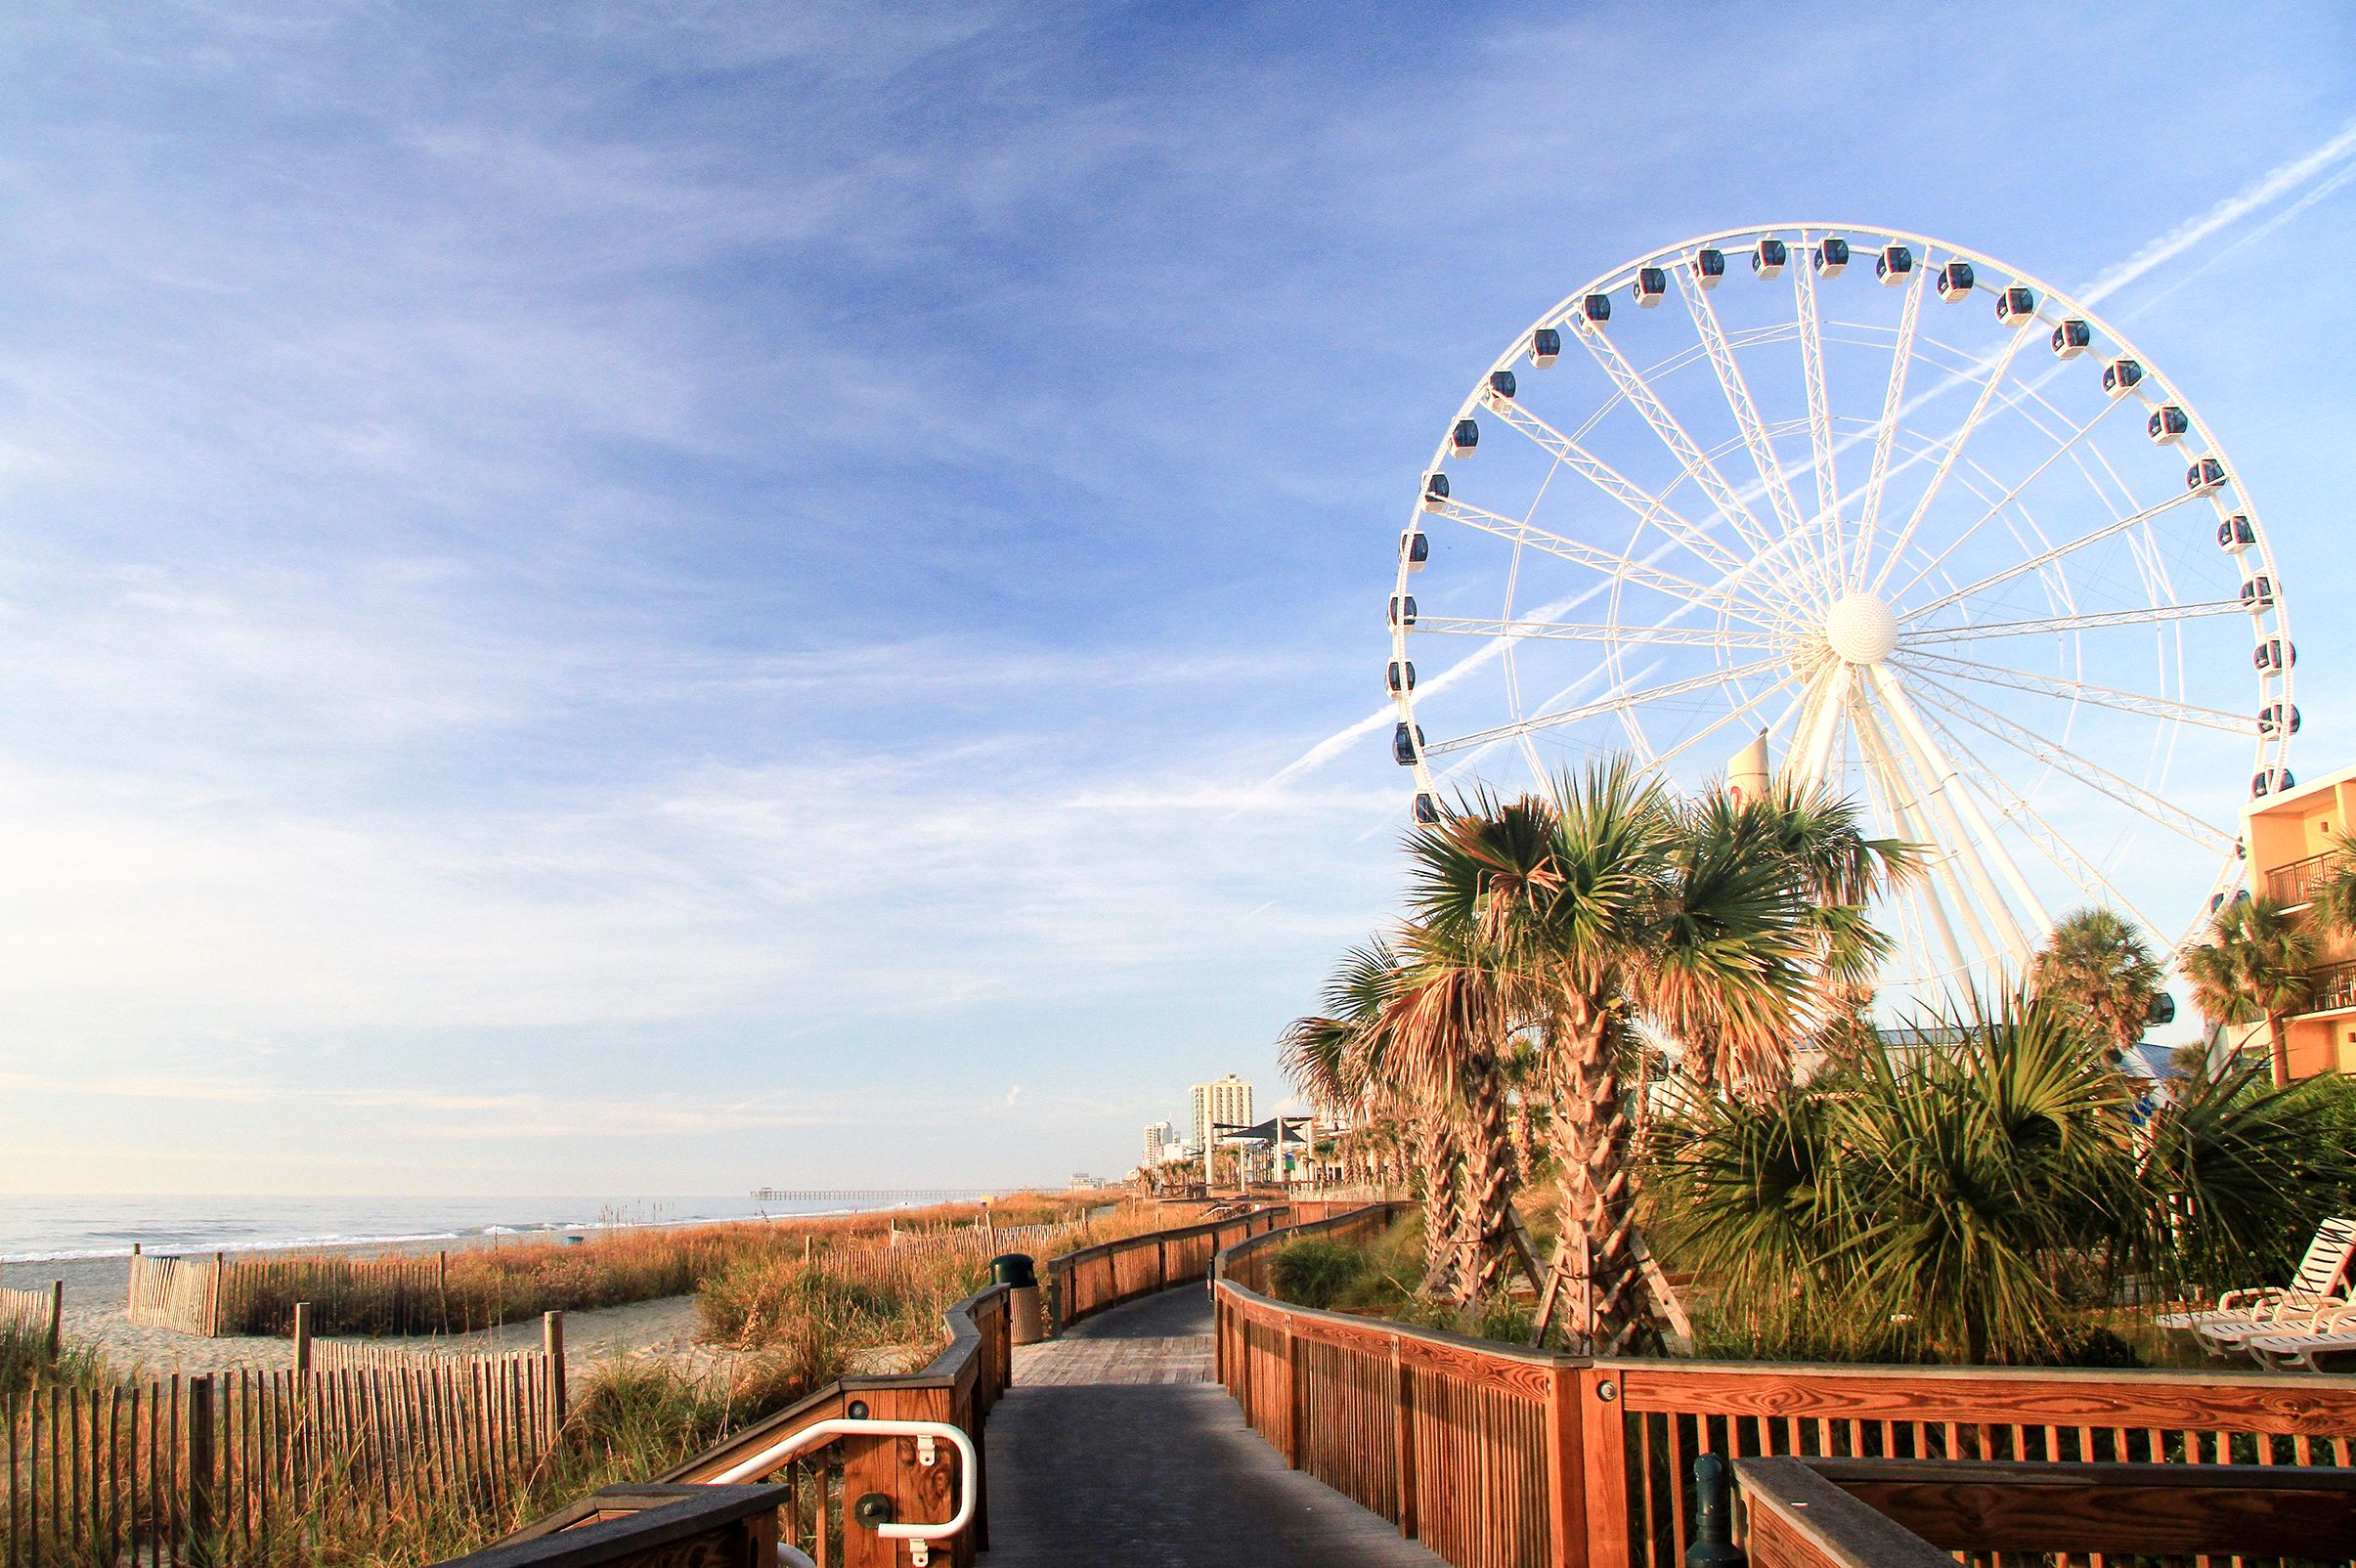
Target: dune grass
489, 1285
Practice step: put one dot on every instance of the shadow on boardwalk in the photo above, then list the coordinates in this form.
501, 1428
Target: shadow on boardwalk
1115, 1445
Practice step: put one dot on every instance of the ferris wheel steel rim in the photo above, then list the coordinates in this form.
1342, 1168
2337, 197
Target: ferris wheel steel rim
1768, 562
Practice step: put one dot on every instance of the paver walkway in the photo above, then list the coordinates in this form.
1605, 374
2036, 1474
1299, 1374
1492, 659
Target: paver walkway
1114, 1446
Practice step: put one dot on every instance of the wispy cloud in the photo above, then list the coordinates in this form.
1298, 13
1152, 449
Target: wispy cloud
693, 577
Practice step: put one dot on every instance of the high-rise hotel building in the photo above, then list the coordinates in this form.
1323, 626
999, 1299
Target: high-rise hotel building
1227, 1102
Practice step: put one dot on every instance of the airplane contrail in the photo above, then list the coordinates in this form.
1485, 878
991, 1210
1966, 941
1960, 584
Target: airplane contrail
2181, 239
2277, 182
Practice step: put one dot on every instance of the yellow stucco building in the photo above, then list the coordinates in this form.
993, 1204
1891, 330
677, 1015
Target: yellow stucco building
2289, 836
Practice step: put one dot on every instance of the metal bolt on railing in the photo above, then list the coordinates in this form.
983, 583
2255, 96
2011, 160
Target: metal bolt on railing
1713, 1518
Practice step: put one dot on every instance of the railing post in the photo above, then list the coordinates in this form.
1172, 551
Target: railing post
1294, 1379
1603, 1462
886, 1469
1566, 1472
1403, 1437
56, 1318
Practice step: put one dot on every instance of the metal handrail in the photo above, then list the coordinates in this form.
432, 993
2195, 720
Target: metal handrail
820, 1433
2331, 987
2291, 882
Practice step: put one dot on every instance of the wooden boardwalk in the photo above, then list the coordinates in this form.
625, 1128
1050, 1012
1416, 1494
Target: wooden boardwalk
1115, 1445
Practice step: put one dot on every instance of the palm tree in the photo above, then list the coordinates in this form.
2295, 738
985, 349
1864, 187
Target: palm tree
2255, 965
1608, 903
1822, 852
1343, 1058
1448, 1024
2099, 973
2333, 893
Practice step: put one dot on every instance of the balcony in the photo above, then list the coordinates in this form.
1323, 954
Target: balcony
2295, 882
2331, 988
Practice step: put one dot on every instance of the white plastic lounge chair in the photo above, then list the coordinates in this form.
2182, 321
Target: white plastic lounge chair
2321, 1274
2332, 1335
2289, 1317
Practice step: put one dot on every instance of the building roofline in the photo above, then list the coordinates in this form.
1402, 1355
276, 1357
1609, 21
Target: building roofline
2297, 794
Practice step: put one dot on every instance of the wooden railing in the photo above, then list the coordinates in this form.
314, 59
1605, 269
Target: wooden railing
653, 1526
1906, 1513
807, 1503
1495, 1456
1082, 1283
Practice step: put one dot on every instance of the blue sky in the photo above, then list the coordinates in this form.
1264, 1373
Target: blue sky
636, 600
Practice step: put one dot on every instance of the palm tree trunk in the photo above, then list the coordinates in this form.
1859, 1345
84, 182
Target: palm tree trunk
1602, 1286
1436, 1154
2280, 1042
1488, 1188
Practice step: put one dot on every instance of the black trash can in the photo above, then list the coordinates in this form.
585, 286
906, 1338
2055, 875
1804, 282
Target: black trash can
1026, 1324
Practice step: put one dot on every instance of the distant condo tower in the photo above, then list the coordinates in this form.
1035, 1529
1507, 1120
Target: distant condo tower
1159, 1137
1227, 1101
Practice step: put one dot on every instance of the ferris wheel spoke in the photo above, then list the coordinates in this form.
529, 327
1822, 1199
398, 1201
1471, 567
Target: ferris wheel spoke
2047, 557
2061, 450
1771, 477
1893, 404
1600, 631
1752, 705
1931, 666
1947, 460
2093, 776
2032, 826
1616, 699
1648, 507
2090, 621
1640, 395
1827, 530
1608, 564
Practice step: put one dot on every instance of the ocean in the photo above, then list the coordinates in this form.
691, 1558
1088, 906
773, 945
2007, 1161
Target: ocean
35, 1227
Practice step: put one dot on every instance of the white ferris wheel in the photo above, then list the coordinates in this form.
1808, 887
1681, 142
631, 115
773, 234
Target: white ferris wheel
1875, 511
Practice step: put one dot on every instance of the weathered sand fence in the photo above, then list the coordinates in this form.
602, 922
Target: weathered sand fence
223, 1294
35, 1312
228, 1468
986, 1239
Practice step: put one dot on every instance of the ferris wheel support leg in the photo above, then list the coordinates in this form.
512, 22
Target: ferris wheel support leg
1982, 841
1997, 938
1882, 766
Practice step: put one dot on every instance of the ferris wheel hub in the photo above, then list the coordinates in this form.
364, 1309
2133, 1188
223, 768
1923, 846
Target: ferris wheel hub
1861, 629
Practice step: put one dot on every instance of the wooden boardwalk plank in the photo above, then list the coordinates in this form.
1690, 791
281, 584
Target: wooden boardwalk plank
1115, 1445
